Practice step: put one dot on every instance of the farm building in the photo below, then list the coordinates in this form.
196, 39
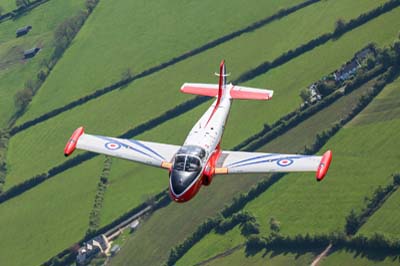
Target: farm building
23, 31
134, 225
31, 52
90, 249
114, 250
346, 71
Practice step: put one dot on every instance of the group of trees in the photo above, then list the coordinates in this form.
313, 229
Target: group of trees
4, 137
94, 217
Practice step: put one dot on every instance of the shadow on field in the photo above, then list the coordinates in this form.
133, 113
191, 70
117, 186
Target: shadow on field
273, 252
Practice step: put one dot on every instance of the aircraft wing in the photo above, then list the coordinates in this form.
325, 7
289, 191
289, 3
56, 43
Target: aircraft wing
150, 153
236, 162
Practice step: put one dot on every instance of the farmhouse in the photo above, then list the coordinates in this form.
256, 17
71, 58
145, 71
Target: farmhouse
346, 71
23, 31
90, 249
31, 52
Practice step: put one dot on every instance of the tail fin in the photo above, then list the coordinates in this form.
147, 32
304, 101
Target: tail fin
222, 80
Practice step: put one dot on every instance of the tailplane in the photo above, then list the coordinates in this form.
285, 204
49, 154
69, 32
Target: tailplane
222, 89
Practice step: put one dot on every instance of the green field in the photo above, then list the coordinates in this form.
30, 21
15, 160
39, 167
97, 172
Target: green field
275, 258
385, 109
49, 218
116, 105
292, 141
8, 5
147, 34
14, 70
212, 244
342, 257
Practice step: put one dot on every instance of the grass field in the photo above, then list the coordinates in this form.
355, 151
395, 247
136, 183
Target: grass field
8, 5
211, 245
14, 70
276, 258
49, 218
342, 257
386, 109
116, 105
292, 141
162, 30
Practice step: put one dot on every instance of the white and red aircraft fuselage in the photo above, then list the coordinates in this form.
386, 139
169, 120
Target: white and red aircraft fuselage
200, 157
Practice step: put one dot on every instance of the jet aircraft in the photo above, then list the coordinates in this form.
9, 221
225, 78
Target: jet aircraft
200, 158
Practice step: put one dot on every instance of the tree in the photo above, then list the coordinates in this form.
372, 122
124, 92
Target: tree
90, 5
21, 3
340, 25
22, 98
305, 94
396, 179
352, 223
274, 225
127, 74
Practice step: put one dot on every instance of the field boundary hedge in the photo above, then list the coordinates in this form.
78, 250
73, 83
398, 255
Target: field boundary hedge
21, 10
94, 216
355, 221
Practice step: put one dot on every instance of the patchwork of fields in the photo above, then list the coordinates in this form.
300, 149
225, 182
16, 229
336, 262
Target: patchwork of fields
14, 70
138, 35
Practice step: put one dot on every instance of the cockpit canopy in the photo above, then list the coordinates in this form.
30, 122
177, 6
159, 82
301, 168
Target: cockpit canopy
187, 166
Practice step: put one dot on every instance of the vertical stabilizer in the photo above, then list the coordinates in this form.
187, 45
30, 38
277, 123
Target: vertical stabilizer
222, 80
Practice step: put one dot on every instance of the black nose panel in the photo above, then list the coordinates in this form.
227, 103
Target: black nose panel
181, 180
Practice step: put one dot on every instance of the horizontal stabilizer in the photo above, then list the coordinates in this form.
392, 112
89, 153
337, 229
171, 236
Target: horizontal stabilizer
200, 89
245, 93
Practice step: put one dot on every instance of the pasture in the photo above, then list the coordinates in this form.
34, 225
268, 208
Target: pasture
50, 217
144, 35
14, 69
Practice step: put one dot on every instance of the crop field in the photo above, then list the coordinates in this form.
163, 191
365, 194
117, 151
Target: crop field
117, 104
161, 31
49, 218
292, 141
14, 70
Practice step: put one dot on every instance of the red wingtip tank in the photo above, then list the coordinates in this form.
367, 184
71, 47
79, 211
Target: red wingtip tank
71, 144
324, 165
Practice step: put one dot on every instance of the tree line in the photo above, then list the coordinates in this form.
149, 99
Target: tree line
94, 217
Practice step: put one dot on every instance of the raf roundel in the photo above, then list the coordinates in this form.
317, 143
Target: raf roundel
284, 162
112, 146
